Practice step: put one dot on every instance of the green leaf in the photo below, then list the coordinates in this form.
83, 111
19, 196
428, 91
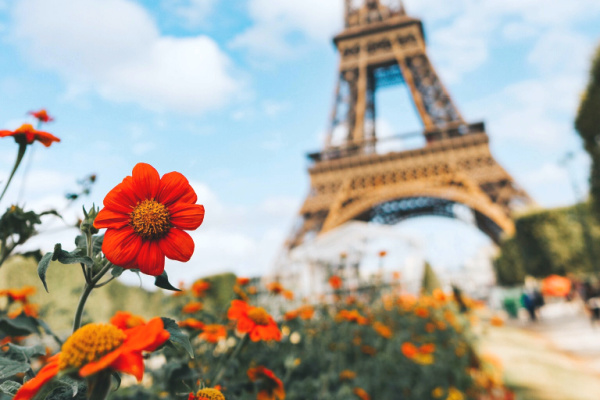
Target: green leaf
43, 267
117, 271
9, 387
74, 257
21, 325
178, 338
162, 281
22, 353
10, 367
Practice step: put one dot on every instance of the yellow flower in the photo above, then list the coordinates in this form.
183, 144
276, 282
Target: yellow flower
454, 394
437, 392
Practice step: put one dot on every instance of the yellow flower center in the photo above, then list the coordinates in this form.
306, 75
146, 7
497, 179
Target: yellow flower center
88, 344
209, 394
150, 220
259, 316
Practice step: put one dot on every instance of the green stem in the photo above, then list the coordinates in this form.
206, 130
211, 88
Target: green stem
86, 293
20, 154
99, 386
223, 366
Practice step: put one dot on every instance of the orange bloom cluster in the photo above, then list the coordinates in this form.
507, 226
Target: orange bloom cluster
199, 287
191, 323
383, 330
305, 312
192, 307
335, 282
253, 320
98, 347
272, 387
421, 355
351, 316
146, 217
361, 393
27, 134
213, 333
207, 394
20, 295
126, 320
347, 375
422, 312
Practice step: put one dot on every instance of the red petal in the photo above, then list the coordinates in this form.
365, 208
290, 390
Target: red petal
145, 181
121, 246
32, 386
130, 363
146, 337
177, 245
45, 138
104, 362
186, 216
110, 219
151, 259
122, 197
174, 187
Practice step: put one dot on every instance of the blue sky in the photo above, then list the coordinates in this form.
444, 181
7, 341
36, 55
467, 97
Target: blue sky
233, 94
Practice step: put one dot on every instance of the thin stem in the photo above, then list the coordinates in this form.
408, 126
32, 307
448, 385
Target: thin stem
20, 154
105, 282
221, 371
86, 293
25, 173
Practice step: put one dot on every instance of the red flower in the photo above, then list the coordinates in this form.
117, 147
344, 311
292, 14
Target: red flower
41, 115
253, 320
243, 281
191, 323
146, 216
213, 333
272, 386
192, 307
18, 294
126, 320
26, 134
97, 347
335, 282
199, 287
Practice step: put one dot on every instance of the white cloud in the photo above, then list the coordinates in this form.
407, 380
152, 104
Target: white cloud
275, 23
114, 47
192, 12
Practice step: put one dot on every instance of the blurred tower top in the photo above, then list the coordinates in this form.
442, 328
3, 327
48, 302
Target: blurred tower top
365, 12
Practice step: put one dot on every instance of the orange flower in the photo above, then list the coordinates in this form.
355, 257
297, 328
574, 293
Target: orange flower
351, 316
421, 312
207, 394
253, 320
192, 307
306, 312
382, 330
361, 393
213, 333
272, 387
288, 294
382, 253
422, 355
252, 290
18, 294
191, 323
396, 275
243, 281
199, 287
126, 320
275, 287
335, 282
181, 291
41, 115
31, 310
146, 216
26, 134
347, 375
98, 347
496, 321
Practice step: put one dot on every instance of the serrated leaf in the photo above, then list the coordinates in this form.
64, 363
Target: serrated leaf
162, 281
178, 338
10, 367
10, 387
21, 325
22, 353
43, 267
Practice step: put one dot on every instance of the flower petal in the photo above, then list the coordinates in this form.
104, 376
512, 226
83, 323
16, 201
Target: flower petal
122, 198
111, 219
145, 181
103, 363
130, 363
177, 245
121, 246
151, 259
32, 386
147, 337
186, 216
174, 187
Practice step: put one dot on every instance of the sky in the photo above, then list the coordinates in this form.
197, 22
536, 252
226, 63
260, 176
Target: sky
234, 94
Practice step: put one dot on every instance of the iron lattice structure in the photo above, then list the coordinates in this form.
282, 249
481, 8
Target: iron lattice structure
350, 180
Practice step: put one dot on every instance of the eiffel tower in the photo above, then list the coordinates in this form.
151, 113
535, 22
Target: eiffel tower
351, 180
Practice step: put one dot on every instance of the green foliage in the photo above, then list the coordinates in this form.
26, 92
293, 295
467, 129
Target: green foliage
550, 242
587, 124
430, 280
